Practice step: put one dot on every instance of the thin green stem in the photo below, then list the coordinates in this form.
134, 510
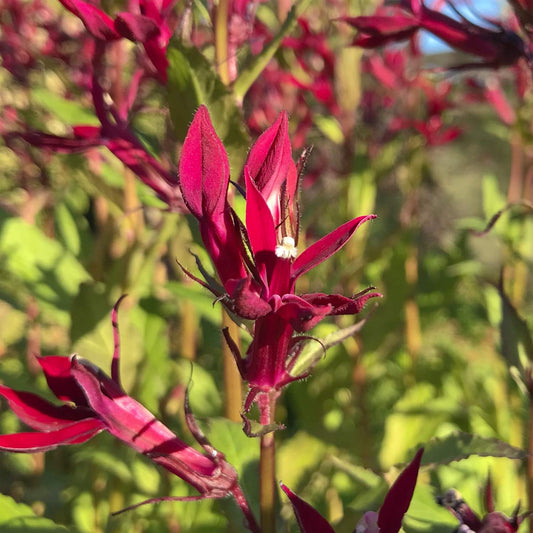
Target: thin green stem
267, 463
221, 40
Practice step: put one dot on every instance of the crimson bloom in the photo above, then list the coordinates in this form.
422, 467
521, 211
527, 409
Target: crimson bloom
497, 46
148, 24
493, 522
96, 402
387, 520
257, 261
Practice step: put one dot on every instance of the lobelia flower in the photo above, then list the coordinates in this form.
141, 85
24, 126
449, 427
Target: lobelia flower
493, 522
387, 520
496, 47
95, 402
146, 22
258, 262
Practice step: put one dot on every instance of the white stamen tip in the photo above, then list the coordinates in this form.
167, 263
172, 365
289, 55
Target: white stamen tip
287, 248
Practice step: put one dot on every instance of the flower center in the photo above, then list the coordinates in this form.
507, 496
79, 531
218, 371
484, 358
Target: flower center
287, 248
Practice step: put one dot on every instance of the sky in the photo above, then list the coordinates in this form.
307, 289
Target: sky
488, 8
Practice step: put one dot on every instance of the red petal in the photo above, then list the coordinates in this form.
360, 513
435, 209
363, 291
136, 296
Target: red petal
269, 160
57, 372
98, 23
326, 247
41, 442
259, 222
204, 168
39, 413
399, 497
342, 305
136, 28
309, 519
382, 25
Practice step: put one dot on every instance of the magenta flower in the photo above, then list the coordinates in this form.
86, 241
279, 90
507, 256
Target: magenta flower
258, 262
387, 520
96, 402
496, 47
493, 522
147, 24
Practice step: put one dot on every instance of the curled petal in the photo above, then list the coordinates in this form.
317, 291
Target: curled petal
246, 301
76, 433
301, 314
309, 519
342, 305
56, 370
41, 414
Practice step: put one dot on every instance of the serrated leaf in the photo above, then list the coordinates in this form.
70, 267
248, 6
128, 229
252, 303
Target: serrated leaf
459, 446
19, 518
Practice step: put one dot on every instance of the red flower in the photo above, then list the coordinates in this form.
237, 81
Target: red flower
258, 262
387, 520
496, 47
96, 402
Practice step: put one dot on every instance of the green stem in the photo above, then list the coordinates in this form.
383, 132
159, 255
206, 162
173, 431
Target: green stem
221, 40
267, 464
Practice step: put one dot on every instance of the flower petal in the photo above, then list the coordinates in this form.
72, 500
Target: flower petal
309, 519
269, 160
136, 28
399, 497
43, 441
326, 247
56, 369
98, 23
259, 225
40, 414
204, 169
339, 304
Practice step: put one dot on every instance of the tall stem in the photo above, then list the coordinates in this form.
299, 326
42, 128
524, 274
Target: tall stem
267, 464
232, 378
242, 502
221, 40
530, 456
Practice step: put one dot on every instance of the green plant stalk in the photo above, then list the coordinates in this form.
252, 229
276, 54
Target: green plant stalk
232, 378
221, 41
267, 464
530, 459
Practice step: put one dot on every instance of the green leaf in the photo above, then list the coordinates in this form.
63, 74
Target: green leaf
202, 299
515, 333
458, 446
19, 518
68, 111
192, 82
49, 271
250, 72
66, 229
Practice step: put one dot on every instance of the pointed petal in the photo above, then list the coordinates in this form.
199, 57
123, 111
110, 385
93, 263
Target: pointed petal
269, 160
259, 221
342, 305
41, 442
136, 28
56, 369
39, 413
382, 25
399, 497
309, 519
326, 247
98, 23
204, 168
301, 314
